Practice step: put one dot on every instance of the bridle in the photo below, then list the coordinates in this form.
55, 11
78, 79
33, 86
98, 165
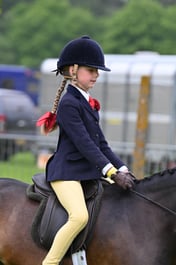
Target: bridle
152, 201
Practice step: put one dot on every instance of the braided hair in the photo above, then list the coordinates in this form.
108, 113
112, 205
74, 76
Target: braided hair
67, 76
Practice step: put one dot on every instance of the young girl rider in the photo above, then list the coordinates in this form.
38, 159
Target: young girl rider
82, 152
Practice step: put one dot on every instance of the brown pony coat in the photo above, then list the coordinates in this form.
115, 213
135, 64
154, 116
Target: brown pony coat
129, 230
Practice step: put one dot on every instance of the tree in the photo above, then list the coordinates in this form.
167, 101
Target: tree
100, 7
134, 27
140, 25
40, 29
167, 2
34, 30
167, 43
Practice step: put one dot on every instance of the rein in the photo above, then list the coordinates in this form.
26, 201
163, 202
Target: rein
153, 202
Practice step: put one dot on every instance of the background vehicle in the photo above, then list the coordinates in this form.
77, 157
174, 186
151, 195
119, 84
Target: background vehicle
20, 78
18, 115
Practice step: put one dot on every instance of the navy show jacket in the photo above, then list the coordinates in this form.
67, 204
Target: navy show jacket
82, 151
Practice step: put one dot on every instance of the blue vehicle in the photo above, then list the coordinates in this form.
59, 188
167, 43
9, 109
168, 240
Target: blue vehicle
20, 78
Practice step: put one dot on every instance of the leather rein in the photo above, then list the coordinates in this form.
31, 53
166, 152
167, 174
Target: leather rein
153, 202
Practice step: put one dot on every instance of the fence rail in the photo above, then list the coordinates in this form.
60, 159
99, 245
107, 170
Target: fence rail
157, 157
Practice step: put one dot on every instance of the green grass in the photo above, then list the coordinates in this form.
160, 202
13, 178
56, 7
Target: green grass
21, 166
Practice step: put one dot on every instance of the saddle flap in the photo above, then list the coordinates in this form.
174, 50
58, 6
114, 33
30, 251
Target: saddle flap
41, 185
51, 215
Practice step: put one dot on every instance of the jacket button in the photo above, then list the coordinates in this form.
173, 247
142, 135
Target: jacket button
97, 135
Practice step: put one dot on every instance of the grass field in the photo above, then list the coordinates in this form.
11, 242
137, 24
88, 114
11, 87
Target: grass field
21, 166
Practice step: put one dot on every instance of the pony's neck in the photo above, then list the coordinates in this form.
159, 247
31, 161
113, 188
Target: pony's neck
161, 181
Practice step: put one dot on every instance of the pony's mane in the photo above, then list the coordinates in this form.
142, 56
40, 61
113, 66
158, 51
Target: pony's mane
157, 178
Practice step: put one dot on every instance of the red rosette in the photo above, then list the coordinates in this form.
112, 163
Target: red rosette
96, 104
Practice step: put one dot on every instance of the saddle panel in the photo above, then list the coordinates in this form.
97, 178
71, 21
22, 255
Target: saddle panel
54, 217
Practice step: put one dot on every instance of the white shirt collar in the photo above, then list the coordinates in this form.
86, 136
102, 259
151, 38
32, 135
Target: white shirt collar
84, 93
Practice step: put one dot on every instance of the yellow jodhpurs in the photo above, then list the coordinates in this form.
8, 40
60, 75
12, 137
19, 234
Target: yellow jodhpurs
70, 195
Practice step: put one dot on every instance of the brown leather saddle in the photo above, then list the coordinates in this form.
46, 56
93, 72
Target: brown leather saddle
51, 216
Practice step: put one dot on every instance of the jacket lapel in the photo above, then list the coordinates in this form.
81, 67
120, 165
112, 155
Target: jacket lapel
72, 90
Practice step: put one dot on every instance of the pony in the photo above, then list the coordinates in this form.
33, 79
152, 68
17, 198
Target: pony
133, 227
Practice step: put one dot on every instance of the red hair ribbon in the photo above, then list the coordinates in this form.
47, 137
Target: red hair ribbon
47, 122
